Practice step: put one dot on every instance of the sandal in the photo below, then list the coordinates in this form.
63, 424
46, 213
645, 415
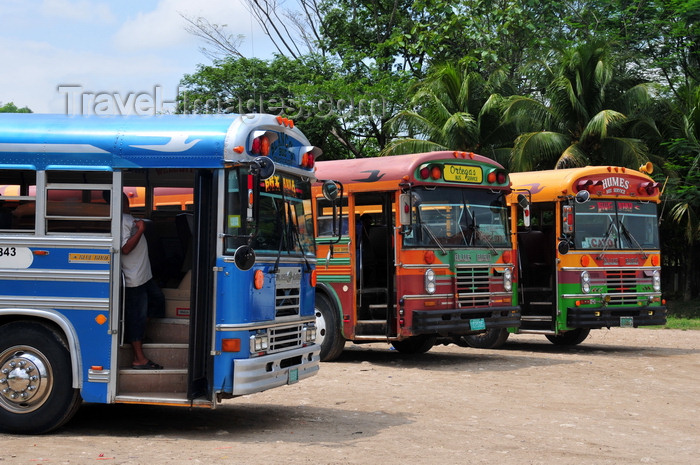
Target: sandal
147, 366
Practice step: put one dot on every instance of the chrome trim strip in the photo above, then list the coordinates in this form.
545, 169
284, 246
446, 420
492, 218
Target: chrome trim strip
614, 295
410, 266
612, 268
55, 241
428, 296
56, 302
34, 274
263, 325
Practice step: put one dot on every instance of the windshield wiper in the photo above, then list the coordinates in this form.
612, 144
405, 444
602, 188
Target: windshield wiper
605, 238
294, 220
434, 238
283, 233
482, 236
628, 234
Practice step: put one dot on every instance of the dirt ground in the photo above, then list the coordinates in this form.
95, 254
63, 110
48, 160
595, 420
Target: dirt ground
624, 396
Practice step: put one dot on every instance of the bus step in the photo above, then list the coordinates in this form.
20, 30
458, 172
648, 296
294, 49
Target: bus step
165, 398
536, 331
370, 328
540, 304
536, 318
168, 330
168, 355
166, 380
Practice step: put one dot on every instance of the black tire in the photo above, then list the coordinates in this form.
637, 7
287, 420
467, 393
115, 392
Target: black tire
491, 339
49, 399
569, 338
328, 332
415, 344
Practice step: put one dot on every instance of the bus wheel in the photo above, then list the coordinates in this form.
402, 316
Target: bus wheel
491, 339
569, 338
36, 393
415, 344
328, 334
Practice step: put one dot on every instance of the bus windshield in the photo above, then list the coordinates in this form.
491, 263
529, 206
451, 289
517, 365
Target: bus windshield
616, 224
456, 217
285, 203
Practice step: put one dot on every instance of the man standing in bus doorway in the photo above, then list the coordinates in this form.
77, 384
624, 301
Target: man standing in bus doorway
143, 298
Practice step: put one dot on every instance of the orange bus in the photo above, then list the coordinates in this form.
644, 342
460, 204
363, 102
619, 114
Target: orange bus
424, 251
590, 258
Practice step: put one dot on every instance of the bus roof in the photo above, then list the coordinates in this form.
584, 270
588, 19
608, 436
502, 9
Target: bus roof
602, 181
391, 168
34, 141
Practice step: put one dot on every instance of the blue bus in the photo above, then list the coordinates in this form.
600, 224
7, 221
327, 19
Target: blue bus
226, 201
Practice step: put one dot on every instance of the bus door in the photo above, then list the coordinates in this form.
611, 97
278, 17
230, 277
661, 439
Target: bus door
537, 257
167, 200
203, 260
374, 278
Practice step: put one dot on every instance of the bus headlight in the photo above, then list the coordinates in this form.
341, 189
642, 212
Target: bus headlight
430, 281
259, 342
309, 333
508, 279
656, 280
585, 282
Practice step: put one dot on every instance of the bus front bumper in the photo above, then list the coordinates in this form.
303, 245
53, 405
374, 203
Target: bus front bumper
258, 374
608, 317
463, 321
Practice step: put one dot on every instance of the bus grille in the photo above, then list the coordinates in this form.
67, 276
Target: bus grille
287, 285
287, 302
619, 283
473, 286
284, 338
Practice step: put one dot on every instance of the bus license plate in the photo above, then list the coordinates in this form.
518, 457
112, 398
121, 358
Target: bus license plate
293, 376
477, 324
626, 322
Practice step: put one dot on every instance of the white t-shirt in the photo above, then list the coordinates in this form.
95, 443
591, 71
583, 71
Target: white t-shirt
135, 265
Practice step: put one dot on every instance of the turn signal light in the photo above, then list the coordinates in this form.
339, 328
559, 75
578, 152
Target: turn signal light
261, 146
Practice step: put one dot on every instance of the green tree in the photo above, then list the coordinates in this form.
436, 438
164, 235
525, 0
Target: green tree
12, 108
682, 221
454, 109
590, 115
338, 117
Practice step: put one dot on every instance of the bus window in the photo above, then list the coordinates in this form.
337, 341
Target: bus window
17, 201
324, 221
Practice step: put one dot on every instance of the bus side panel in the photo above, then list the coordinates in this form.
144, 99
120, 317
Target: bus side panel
72, 281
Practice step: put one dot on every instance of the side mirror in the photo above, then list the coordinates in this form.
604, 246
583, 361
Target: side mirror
582, 196
262, 167
244, 257
524, 203
405, 209
563, 247
330, 190
567, 219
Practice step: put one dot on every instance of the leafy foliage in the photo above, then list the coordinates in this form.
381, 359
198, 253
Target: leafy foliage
10, 107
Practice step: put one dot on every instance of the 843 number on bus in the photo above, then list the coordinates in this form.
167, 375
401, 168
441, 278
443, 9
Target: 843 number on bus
15, 257
8, 252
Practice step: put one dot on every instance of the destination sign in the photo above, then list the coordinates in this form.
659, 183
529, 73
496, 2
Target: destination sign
463, 173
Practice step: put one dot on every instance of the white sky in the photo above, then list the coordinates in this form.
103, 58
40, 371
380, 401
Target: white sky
126, 49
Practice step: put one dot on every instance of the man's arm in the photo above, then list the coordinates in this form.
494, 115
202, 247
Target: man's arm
133, 240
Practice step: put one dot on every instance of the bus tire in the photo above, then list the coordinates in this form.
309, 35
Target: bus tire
490, 339
36, 392
415, 344
569, 338
328, 333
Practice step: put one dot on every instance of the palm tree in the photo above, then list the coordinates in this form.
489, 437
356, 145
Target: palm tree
685, 194
589, 116
454, 109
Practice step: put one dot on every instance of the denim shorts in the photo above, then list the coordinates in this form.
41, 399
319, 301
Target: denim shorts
140, 303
